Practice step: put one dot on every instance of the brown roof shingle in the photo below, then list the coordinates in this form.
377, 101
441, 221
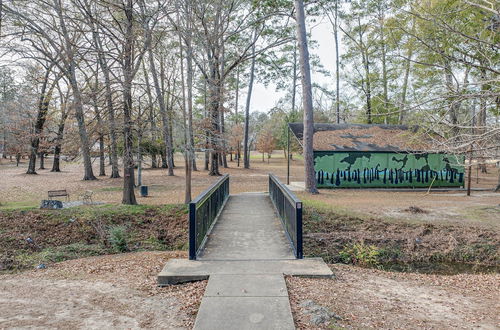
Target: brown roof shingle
359, 137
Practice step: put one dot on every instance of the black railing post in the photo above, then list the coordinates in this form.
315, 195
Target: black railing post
298, 214
192, 231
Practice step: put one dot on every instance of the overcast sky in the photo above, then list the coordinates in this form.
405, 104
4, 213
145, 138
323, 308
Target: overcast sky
264, 99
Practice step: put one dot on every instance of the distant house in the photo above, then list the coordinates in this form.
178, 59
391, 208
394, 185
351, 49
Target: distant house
379, 156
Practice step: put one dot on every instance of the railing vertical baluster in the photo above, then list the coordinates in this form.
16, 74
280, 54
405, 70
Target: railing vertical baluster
289, 208
203, 211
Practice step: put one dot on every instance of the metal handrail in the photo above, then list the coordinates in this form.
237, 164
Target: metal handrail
203, 213
289, 208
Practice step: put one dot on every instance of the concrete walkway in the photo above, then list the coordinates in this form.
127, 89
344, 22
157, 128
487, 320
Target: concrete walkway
245, 258
248, 229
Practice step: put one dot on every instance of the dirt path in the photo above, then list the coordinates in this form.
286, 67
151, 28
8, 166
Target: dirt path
108, 292
119, 291
368, 298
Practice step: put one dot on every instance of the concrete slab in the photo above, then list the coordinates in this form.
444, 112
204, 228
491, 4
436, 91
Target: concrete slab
246, 286
242, 313
184, 270
245, 258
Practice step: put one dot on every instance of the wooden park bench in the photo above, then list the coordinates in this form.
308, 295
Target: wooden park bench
58, 193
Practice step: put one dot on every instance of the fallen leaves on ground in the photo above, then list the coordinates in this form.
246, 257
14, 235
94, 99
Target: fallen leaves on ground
135, 271
370, 298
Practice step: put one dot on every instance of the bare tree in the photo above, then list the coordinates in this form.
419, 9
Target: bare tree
307, 102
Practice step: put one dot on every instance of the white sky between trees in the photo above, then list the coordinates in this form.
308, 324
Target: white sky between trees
264, 99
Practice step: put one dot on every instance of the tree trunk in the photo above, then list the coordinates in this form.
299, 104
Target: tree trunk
100, 124
237, 94
246, 151
453, 105
102, 61
368, 92
482, 117
152, 129
139, 159
163, 113
56, 164
294, 78
128, 159
189, 77
56, 167
402, 114
498, 183
367, 80
307, 102
43, 106
213, 132
223, 156
224, 147
187, 192
102, 156
214, 108
82, 130
41, 155
384, 63
115, 171
207, 134
163, 159
187, 134
337, 62
70, 73
207, 157
170, 113
402, 111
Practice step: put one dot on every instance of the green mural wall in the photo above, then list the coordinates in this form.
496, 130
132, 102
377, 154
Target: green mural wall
383, 170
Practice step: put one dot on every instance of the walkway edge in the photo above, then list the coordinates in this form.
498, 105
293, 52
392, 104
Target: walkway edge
178, 271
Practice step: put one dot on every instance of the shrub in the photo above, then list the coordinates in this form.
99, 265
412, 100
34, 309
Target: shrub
360, 254
117, 236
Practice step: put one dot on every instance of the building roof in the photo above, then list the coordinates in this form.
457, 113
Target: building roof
359, 137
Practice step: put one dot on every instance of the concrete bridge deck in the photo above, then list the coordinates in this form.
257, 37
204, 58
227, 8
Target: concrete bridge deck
245, 258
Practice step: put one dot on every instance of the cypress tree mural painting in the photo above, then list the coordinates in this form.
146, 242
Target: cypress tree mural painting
333, 171
379, 156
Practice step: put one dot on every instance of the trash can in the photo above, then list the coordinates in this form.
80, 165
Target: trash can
144, 191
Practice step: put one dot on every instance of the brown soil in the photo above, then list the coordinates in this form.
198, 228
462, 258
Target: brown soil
331, 235
17, 187
481, 209
41, 236
117, 291
369, 298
